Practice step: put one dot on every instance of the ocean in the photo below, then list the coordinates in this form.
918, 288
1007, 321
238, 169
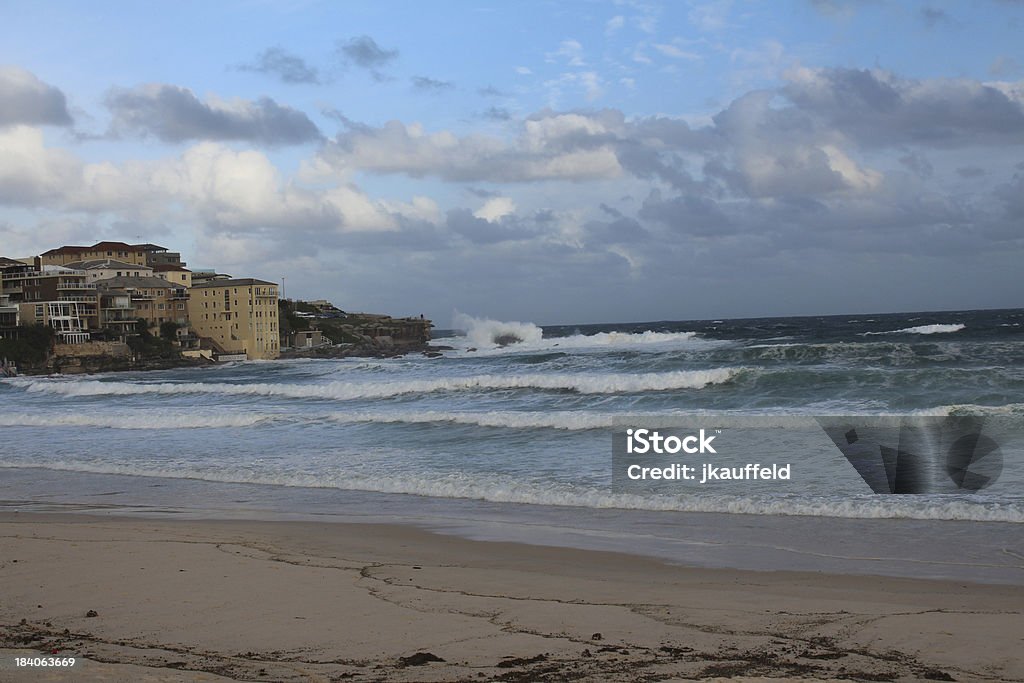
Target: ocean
491, 431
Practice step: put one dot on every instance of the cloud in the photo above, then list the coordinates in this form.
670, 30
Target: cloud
289, 68
690, 214
1003, 66
495, 208
364, 52
480, 230
932, 16
843, 9
612, 26
427, 84
30, 173
675, 52
711, 16
876, 107
971, 172
549, 147
24, 99
570, 51
497, 114
175, 114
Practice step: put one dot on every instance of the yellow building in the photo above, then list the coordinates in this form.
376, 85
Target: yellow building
239, 316
174, 274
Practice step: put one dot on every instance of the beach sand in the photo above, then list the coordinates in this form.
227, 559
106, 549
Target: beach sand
187, 600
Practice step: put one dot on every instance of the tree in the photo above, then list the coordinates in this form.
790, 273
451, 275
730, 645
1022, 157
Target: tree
169, 330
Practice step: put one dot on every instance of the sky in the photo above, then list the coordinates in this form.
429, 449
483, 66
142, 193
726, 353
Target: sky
554, 162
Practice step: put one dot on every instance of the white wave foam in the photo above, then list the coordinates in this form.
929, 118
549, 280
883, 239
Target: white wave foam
567, 420
132, 420
487, 333
509, 489
922, 329
581, 383
493, 336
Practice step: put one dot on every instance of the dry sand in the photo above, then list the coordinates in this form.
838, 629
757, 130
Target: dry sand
295, 601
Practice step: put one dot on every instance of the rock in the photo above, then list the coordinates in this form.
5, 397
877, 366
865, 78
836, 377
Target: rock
510, 662
419, 659
506, 339
92, 613
596, 636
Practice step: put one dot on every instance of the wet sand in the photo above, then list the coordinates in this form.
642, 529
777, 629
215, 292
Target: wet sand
190, 600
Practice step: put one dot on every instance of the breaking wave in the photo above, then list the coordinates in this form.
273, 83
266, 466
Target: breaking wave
511, 489
922, 329
487, 333
483, 335
342, 391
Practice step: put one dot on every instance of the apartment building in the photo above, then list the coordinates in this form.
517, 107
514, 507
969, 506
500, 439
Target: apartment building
238, 315
10, 317
137, 254
153, 299
104, 269
54, 284
67, 318
174, 273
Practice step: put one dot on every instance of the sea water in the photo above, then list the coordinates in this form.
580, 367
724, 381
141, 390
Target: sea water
513, 415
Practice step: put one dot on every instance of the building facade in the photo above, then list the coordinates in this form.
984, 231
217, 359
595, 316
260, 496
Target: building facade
153, 299
104, 269
136, 254
173, 273
238, 315
65, 317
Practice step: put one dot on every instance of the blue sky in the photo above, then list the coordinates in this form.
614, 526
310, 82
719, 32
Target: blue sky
551, 161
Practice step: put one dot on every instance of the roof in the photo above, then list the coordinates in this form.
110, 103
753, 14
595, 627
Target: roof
104, 246
164, 267
133, 282
10, 263
60, 270
93, 264
238, 282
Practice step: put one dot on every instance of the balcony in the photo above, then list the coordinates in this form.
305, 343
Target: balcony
76, 285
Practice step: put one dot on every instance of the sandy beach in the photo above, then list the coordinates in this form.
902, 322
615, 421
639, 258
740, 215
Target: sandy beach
297, 601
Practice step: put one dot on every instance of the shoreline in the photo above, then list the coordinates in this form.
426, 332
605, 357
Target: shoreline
324, 353
982, 551
327, 600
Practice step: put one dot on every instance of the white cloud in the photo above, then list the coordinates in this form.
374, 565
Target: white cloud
495, 208
675, 52
570, 51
